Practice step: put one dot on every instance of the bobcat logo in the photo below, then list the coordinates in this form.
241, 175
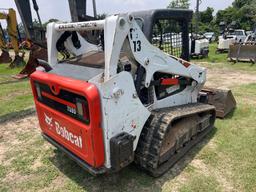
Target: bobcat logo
63, 131
48, 120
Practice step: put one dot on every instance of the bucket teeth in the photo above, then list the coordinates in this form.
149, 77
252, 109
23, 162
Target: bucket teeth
17, 62
36, 53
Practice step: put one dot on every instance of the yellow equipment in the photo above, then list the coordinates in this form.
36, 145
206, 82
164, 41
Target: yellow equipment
10, 17
5, 57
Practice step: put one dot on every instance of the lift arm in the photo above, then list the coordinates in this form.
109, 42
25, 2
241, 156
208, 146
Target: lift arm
117, 29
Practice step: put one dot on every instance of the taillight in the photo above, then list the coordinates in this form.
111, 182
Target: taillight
82, 109
38, 91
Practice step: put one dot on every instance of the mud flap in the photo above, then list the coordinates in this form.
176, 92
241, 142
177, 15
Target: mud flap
222, 99
242, 52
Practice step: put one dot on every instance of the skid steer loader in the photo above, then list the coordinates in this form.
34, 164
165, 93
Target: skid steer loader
122, 102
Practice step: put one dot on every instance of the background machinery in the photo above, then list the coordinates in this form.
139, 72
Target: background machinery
244, 51
10, 16
229, 36
5, 56
199, 46
225, 39
36, 35
123, 101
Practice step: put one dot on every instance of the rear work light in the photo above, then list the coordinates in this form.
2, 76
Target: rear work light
82, 109
38, 91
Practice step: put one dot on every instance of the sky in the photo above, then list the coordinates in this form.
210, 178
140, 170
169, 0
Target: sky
59, 8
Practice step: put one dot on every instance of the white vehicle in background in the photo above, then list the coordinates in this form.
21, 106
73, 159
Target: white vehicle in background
174, 38
248, 32
198, 46
225, 40
210, 36
239, 35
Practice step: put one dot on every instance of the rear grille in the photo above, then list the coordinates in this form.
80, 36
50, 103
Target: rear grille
64, 102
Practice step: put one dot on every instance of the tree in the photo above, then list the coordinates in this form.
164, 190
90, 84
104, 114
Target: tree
50, 21
184, 4
101, 16
207, 15
243, 12
246, 16
227, 15
238, 4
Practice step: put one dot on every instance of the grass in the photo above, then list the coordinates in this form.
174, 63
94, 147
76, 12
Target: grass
225, 161
220, 61
15, 95
6, 72
207, 183
213, 57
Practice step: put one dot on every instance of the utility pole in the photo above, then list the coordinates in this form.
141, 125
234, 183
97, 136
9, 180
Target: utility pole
197, 16
94, 8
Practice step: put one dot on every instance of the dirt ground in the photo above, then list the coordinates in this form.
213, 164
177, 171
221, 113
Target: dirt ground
22, 138
227, 78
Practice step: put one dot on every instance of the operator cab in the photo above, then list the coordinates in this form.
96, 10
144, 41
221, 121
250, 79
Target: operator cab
167, 29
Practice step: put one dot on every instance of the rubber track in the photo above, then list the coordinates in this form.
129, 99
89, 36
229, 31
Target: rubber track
150, 142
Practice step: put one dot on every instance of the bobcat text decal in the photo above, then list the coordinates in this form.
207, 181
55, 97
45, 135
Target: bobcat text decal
63, 131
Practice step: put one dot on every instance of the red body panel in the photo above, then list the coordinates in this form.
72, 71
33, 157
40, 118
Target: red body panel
85, 141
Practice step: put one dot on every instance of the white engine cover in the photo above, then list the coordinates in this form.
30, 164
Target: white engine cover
201, 44
225, 43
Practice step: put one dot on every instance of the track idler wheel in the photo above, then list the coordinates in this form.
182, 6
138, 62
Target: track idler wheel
5, 57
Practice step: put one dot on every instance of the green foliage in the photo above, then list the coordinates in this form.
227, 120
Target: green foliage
50, 21
184, 4
36, 23
15, 95
240, 3
228, 15
206, 20
207, 15
101, 16
241, 11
